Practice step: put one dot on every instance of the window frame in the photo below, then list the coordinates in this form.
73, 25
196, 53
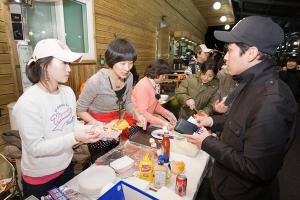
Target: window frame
60, 26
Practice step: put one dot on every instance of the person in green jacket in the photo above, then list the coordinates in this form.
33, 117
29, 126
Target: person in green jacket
198, 92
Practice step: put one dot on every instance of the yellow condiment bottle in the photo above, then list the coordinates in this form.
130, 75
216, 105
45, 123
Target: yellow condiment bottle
146, 168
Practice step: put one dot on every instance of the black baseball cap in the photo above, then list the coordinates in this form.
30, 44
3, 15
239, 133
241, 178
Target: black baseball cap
257, 31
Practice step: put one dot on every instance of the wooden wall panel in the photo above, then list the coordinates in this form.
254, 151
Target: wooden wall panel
8, 81
138, 20
80, 73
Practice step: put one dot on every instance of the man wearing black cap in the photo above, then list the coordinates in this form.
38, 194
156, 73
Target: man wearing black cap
259, 128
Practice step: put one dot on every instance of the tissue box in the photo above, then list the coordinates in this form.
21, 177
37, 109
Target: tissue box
122, 190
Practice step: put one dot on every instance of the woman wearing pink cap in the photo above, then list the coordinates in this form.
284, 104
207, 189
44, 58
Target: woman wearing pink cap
46, 117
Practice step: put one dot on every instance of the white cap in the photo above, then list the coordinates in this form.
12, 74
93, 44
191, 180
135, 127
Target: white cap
205, 49
55, 48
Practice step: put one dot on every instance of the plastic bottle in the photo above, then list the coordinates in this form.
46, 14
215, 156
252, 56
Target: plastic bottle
160, 173
146, 168
165, 146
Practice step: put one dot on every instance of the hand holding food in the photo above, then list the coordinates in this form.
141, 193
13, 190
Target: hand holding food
199, 116
107, 133
121, 125
205, 121
172, 119
86, 136
141, 120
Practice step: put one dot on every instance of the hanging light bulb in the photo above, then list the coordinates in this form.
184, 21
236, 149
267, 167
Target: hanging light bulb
223, 18
217, 5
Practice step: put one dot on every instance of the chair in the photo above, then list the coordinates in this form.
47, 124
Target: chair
8, 180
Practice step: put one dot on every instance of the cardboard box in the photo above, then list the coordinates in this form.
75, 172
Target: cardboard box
125, 191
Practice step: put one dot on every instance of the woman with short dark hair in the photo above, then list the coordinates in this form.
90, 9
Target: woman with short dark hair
107, 94
146, 94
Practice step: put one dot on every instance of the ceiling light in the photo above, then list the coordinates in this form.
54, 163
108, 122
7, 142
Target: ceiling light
227, 27
217, 5
223, 18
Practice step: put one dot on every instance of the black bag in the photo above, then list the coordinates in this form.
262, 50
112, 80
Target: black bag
185, 127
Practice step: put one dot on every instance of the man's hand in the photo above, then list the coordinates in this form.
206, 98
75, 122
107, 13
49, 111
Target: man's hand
197, 139
205, 121
220, 107
191, 104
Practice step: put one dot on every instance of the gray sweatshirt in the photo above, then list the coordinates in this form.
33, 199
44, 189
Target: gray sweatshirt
99, 97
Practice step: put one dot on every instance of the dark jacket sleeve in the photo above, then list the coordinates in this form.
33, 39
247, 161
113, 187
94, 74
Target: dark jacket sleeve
218, 122
265, 141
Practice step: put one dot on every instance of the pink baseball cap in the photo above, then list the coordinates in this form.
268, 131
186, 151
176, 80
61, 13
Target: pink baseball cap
56, 48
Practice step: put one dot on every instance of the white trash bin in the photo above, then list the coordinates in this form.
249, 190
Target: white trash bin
13, 125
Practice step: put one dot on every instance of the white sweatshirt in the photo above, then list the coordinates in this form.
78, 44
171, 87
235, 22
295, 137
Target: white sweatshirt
46, 123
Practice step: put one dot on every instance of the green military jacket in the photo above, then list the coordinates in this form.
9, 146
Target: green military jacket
204, 95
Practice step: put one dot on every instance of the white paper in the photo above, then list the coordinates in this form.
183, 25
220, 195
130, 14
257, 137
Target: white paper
192, 120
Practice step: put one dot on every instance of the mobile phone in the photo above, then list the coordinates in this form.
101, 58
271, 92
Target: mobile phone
185, 127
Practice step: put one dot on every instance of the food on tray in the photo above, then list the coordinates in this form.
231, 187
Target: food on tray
122, 164
137, 152
108, 132
131, 149
177, 167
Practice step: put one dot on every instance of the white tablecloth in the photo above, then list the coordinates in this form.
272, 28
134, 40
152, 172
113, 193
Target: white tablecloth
196, 169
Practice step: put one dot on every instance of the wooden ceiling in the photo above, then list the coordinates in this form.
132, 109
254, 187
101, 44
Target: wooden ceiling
212, 16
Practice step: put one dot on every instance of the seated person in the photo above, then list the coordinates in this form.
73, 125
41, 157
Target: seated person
146, 94
198, 92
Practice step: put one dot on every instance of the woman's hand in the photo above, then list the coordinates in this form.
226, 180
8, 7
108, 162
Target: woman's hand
191, 104
95, 122
172, 119
169, 126
141, 120
87, 136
